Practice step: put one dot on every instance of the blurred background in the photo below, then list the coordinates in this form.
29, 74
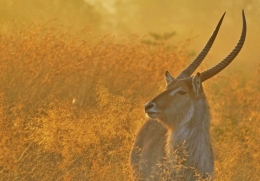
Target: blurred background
75, 75
186, 19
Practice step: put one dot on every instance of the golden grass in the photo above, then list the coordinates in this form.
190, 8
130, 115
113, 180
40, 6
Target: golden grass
72, 104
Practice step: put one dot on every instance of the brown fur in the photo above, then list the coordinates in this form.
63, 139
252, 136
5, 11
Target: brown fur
182, 132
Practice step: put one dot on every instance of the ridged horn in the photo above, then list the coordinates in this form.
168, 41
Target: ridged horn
224, 63
197, 61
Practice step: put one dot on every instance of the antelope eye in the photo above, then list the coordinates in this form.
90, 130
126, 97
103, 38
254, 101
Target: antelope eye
182, 92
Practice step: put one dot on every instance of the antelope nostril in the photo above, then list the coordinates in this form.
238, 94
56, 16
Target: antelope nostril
149, 106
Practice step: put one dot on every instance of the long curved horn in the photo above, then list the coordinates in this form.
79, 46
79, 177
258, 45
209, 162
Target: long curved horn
197, 61
224, 63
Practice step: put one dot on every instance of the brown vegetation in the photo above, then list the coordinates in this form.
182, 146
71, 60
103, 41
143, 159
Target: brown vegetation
71, 106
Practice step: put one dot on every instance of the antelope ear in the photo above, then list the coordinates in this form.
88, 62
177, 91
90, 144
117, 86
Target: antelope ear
197, 85
168, 77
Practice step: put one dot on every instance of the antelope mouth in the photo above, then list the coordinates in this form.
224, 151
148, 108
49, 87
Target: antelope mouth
153, 115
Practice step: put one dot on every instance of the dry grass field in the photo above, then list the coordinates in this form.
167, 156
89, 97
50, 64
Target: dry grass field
71, 105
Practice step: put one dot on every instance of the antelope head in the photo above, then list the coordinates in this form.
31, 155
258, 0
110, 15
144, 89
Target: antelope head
185, 92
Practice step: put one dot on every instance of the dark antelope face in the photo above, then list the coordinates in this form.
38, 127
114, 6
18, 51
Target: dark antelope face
176, 102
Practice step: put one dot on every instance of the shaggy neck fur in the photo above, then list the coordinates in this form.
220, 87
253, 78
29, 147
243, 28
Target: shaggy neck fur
191, 139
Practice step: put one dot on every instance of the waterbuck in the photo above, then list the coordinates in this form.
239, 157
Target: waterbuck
174, 144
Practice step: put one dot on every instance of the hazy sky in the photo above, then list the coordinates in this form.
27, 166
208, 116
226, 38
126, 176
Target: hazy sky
187, 18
